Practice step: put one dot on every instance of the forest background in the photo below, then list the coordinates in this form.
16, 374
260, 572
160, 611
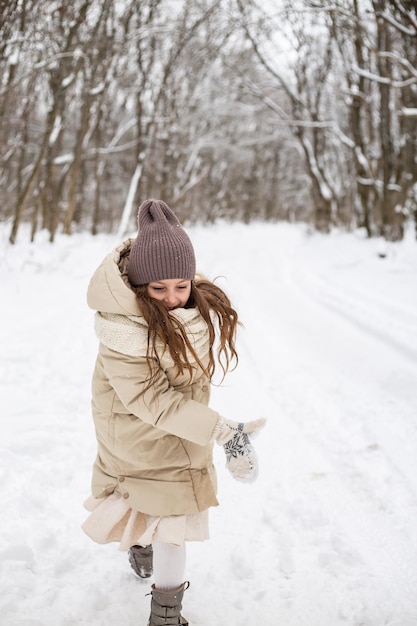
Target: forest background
295, 110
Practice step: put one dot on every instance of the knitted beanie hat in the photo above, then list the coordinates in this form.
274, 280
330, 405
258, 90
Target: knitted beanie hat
162, 248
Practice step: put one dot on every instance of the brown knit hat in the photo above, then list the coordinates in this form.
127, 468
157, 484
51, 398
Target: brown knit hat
162, 248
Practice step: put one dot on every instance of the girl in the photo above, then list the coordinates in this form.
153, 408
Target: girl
153, 479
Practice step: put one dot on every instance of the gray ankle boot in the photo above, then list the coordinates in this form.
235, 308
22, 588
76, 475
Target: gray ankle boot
166, 607
140, 559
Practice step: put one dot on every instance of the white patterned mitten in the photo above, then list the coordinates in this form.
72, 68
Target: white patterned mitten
241, 459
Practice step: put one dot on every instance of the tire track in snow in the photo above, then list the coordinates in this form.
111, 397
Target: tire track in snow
379, 316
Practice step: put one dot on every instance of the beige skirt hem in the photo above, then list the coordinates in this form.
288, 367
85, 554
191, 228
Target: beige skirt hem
111, 520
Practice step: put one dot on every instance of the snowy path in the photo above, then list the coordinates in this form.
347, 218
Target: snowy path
327, 536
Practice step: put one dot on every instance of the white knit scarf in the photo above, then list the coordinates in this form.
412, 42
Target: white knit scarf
128, 334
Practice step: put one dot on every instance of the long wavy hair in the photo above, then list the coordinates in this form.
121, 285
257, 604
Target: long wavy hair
221, 319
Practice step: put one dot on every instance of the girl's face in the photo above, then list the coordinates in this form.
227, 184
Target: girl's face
173, 292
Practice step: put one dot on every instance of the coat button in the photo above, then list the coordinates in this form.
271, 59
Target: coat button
204, 470
121, 479
125, 495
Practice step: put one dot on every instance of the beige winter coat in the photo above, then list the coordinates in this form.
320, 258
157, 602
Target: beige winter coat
155, 449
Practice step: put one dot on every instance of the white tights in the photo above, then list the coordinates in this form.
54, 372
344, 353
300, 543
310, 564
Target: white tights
168, 565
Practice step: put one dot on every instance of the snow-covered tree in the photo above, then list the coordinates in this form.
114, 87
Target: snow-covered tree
350, 81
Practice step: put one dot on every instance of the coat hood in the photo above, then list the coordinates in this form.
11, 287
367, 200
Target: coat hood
119, 323
109, 290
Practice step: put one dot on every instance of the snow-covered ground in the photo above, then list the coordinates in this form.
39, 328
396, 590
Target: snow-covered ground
327, 536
